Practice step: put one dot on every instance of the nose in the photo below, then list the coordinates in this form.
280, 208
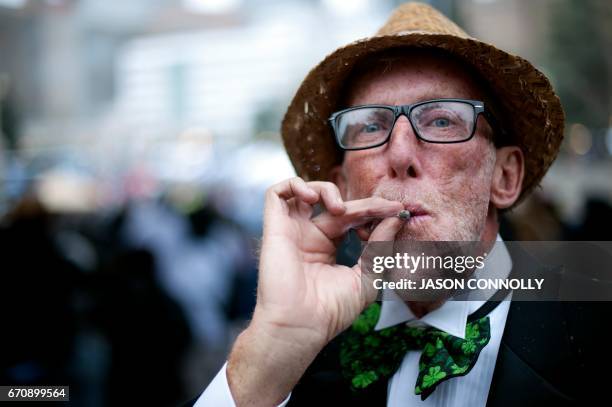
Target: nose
402, 150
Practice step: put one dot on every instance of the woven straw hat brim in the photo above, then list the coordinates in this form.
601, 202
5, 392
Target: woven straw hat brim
535, 118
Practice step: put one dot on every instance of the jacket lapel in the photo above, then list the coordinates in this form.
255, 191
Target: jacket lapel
533, 347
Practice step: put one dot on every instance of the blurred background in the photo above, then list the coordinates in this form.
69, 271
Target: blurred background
137, 139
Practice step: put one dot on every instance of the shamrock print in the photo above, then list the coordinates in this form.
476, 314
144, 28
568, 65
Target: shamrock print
364, 379
468, 347
435, 375
367, 356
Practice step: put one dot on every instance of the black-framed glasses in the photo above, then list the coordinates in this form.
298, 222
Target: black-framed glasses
434, 121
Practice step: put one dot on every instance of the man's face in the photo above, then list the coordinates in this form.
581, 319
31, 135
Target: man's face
446, 187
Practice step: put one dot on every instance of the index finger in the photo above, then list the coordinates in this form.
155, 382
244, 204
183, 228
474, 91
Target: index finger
358, 212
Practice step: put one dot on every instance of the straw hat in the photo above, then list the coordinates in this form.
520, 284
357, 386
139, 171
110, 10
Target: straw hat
533, 118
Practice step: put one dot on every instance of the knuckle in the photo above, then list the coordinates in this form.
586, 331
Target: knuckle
271, 190
330, 187
296, 180
367, 212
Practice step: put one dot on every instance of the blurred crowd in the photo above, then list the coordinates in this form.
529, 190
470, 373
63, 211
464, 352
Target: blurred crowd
135, 306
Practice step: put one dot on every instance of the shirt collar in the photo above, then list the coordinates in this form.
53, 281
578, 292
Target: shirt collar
452, 316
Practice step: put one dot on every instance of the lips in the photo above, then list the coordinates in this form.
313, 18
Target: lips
415, 210
417, 214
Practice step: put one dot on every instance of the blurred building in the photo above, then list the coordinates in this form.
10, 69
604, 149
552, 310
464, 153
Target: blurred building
154, 90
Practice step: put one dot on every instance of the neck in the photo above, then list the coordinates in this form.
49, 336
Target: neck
491, 229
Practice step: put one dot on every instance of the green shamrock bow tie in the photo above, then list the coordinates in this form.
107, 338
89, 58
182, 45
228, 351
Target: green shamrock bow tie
367, 355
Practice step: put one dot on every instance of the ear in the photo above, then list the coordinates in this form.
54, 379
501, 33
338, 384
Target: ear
507, 180
338, 177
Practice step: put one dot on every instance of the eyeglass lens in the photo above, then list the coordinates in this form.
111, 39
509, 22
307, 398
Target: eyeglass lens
437, 122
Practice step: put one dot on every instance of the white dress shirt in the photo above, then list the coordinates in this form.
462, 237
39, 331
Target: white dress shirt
469, 390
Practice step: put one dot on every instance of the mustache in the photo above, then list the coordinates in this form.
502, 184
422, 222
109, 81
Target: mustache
406, 196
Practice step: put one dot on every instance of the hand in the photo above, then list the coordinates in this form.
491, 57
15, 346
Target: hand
300, 284
304, 299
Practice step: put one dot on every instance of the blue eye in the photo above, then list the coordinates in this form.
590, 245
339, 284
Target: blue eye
371, 128
441, 122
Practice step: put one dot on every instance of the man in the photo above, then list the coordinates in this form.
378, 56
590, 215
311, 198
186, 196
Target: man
428, 120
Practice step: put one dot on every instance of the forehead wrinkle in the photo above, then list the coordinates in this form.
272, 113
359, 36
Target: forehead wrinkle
437, 71
420, 87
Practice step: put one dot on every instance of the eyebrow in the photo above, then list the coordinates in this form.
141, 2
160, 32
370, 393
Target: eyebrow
429, 95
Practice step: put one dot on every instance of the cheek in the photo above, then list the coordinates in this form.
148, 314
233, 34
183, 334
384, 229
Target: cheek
364, 171
461, 166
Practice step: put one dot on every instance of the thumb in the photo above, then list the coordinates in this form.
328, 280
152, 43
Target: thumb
384, 231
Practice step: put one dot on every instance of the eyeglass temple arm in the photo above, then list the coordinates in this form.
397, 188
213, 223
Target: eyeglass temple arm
495, 125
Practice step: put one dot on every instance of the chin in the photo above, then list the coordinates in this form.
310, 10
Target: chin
412, 233
426, 229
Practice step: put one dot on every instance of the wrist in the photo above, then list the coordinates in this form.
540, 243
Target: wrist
294, 333
266, 362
